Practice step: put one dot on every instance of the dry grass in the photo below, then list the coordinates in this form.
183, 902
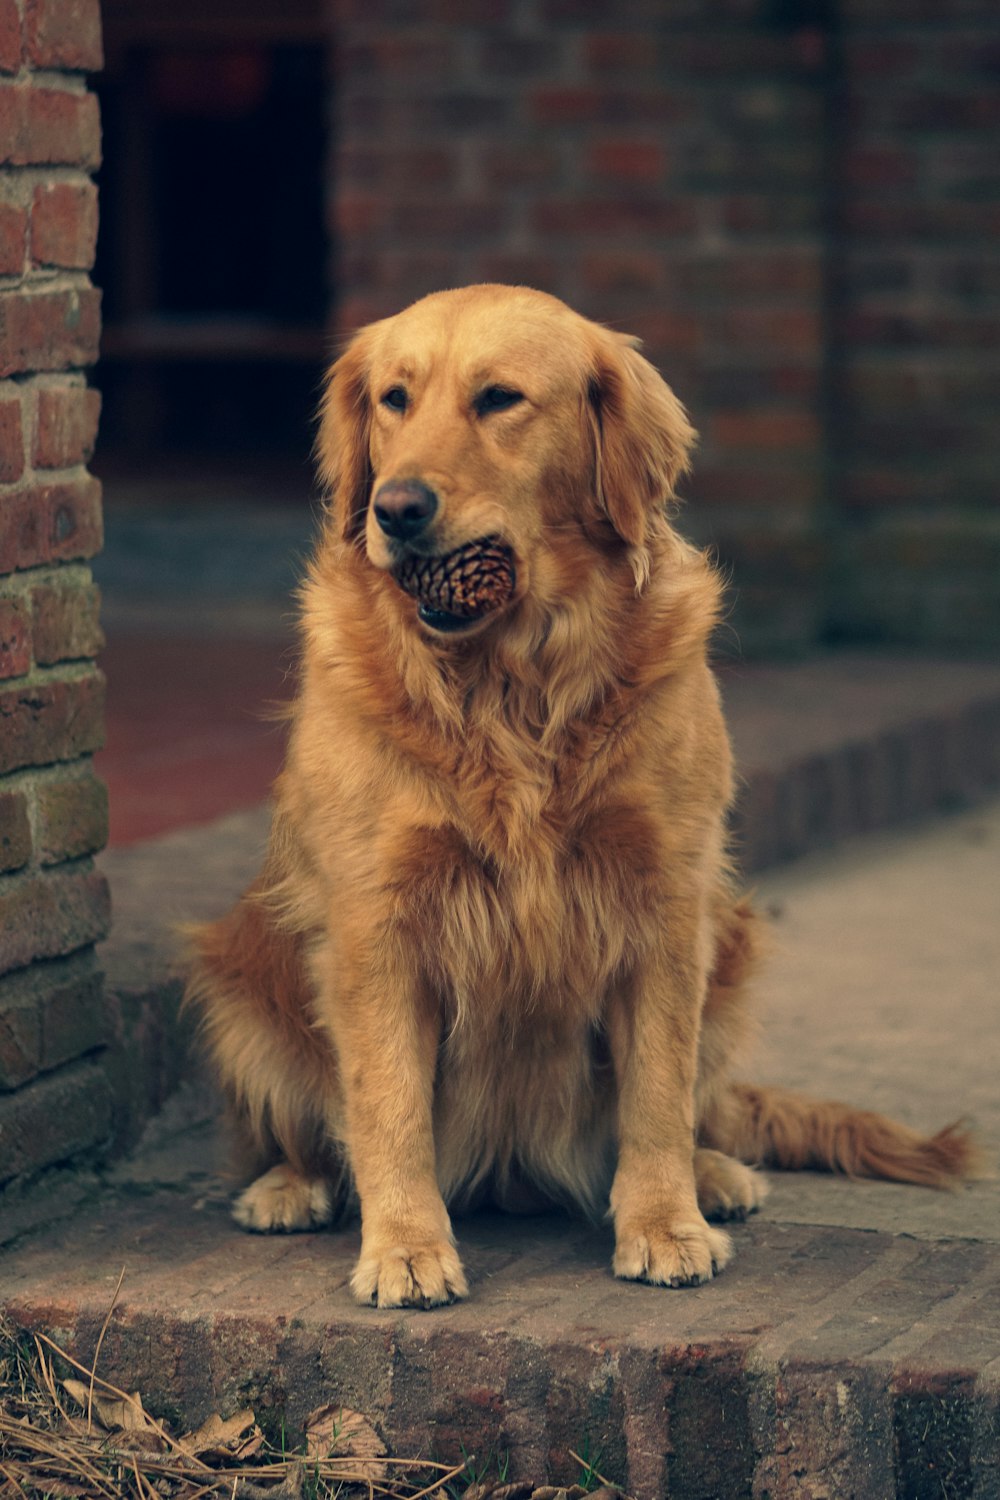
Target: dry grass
68, 1435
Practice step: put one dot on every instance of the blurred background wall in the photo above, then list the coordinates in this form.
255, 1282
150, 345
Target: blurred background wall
793, 202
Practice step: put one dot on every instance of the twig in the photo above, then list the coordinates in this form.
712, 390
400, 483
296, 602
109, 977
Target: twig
52, 1389
97, 1351
440, 1483
584, 1464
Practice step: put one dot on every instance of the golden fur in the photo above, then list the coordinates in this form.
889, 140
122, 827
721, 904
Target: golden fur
495, 950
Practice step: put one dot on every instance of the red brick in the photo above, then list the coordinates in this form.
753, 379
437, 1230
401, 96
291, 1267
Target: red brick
358, 213
55, 720
512, 167
737, 52
13, 238
15, 636
576, 105
46, 916
11, 441
630, 271
66, 425
922, 330
784, 491
61, 1116
20, 1038
65, 623
430, 167
48, 127
614, 216
766, 429
772, 213
51, 523
789, 329
619, 53
882, 166
519, 56
71, 818
10, 36
15, 831
521, 268
49, 1017
668, 334
75, 523
463, 112
410, 54
64, 225
773, 273
49, 330
943, 220
64, 34
627, 161
469, 221
879, 59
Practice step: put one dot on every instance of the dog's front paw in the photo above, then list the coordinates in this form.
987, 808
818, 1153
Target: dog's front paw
282, 1201
409, 1276
669, 1253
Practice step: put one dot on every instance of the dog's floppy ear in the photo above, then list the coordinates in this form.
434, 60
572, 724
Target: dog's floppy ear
343, 445
643, 437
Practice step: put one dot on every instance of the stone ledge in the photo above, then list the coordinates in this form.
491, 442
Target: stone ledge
861, 1362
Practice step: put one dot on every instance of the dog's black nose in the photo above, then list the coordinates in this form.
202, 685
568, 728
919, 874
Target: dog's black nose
403, 507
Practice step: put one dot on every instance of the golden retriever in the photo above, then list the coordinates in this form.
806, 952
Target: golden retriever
495, 950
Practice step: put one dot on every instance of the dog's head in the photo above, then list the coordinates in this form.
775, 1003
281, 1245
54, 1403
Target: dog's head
479, 442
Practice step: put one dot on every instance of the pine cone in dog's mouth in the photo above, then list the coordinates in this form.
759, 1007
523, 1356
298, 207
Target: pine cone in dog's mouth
463, 586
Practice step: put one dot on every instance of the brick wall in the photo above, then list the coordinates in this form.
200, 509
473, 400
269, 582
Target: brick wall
918, 327
660, 167
54, 1099
789, 200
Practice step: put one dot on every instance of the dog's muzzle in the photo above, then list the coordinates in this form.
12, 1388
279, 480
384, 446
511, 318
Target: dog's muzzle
456, 590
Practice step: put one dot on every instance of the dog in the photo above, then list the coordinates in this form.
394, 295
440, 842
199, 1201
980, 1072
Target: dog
496, 950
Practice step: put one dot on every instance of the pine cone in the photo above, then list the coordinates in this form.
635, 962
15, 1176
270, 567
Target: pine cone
470, 582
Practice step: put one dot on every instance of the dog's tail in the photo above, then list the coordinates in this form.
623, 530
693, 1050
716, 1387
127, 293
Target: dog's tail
778, 1128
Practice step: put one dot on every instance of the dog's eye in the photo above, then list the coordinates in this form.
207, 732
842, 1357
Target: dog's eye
395, 398
496, 398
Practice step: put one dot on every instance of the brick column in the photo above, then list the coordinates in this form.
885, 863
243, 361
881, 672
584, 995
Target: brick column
55, 1103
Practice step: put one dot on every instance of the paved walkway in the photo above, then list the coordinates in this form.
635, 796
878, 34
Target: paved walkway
852, 1348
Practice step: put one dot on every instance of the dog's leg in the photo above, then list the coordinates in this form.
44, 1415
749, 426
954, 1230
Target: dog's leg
386, 1036
660, 1233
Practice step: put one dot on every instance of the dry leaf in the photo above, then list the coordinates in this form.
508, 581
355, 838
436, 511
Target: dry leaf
113, 1413
215, 1433
134, 1440
337, 1432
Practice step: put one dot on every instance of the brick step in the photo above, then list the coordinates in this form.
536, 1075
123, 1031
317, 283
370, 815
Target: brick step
852, 742
822, 1362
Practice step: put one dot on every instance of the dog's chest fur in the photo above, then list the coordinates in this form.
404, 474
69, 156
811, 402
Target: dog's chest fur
550, 867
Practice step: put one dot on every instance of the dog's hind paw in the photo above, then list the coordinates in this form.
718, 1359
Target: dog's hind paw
726, 1188
282, 1201
401, 1276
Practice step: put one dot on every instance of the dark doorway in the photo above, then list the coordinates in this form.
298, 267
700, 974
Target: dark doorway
213, 250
